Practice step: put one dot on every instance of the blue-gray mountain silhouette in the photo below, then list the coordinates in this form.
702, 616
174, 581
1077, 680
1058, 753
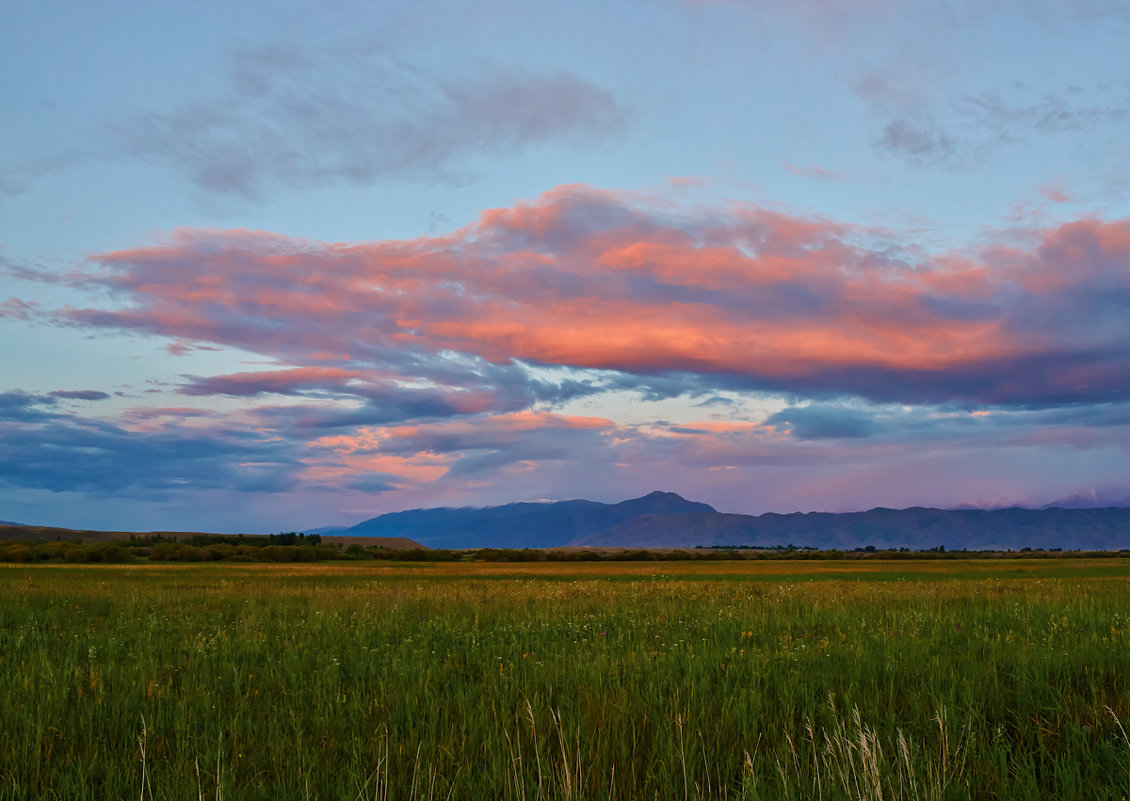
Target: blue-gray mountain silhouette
666, 520
521, 525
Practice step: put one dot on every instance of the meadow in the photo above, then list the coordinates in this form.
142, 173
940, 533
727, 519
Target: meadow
988, 679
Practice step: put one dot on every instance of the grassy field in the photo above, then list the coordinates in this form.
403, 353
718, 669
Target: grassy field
752, 680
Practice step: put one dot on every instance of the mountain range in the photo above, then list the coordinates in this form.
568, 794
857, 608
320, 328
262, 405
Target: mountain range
666, 520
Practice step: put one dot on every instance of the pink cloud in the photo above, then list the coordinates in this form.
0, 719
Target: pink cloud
1055, 192
409, 455
817, 172
585, 278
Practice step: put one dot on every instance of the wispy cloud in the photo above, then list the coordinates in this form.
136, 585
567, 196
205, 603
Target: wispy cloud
924, 130
1025, 110
819, 173
294, 117
306, 116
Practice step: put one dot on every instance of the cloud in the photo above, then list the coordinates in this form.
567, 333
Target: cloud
283, 382
17, 405
824, 422
80, 394
373, 482
300, 118
646, 295
469, 449
100, 458
14, 308
441, 366
819, 173
490, 432
164, 453
437, 388
912, 129
908, 129
1076, 109
1056, 192
916, 143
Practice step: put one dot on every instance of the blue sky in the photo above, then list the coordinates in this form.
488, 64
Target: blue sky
279, 265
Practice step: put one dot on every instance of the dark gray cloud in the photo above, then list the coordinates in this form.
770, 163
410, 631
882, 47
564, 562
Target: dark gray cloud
17, 405
825, 422
394, 407
488, 451
373, 482
80, 394
918, 144
83, 455
715, 401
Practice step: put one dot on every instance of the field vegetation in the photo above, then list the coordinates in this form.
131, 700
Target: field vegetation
296, 547
754, 679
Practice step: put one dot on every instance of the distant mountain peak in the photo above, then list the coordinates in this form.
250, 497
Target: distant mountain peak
668, 497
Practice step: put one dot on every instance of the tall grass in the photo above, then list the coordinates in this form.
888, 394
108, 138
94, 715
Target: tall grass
253, 682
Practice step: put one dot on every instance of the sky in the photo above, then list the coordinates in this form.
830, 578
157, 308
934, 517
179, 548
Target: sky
275, 265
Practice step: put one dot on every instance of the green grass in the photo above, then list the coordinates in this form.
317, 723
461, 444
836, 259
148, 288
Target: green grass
657, 681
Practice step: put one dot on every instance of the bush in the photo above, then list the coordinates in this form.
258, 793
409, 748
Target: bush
109, 554
303, 553
221, 551
17, 552
162, 552
76, 553
324, 552
279, 553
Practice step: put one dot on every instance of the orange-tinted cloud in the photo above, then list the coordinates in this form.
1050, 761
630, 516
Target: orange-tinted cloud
737, 296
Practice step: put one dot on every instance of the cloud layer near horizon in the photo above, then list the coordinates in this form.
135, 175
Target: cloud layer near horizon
448, 361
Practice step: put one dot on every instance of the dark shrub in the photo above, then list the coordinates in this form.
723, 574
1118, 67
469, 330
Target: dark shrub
110, 554
279, 553
303, 553
326, 551
162, 552
77, 553
16, 552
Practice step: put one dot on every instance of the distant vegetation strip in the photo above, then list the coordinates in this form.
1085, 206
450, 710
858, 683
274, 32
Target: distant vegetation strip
298, 547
